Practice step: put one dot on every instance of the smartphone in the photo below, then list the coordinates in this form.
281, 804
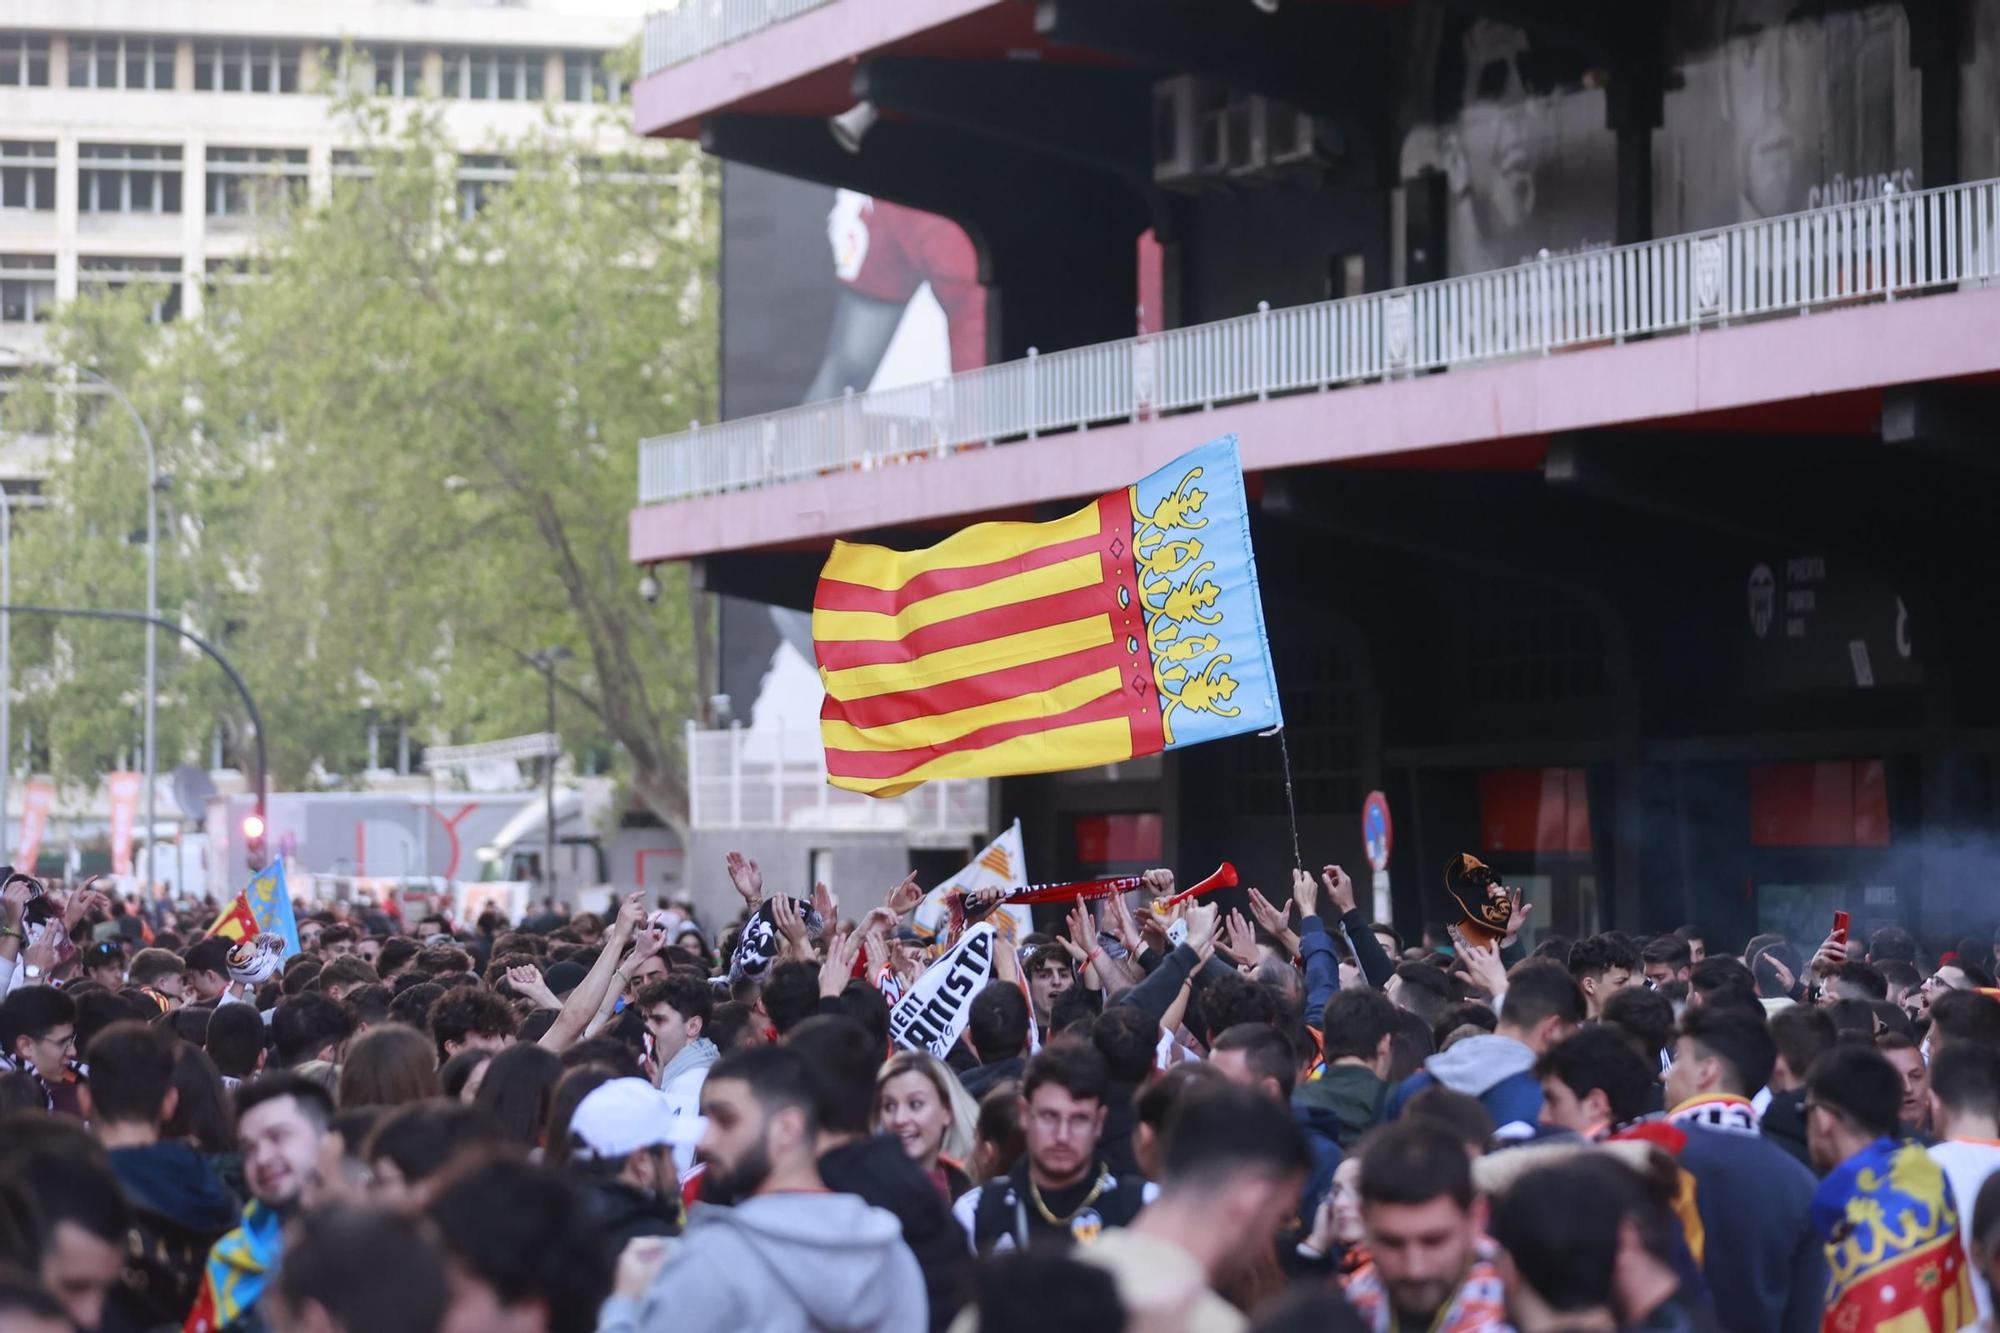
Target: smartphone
1840, 920
38, 907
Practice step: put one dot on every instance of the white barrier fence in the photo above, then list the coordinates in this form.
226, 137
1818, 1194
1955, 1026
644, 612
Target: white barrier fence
1869, 250
739, 778
691, 28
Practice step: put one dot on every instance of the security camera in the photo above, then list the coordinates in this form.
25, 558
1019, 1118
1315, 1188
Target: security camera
649, 587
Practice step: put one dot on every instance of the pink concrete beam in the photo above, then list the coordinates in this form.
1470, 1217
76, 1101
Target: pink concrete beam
673, 101
1681, 376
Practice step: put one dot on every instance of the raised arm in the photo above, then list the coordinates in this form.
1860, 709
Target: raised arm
1376, 965
582, 1003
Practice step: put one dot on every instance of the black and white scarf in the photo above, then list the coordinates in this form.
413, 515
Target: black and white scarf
1719, 1110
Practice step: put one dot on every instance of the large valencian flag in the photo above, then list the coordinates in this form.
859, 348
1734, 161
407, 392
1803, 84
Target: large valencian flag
1129, 627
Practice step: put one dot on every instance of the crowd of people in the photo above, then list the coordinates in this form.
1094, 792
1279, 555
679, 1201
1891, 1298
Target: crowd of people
1148, 1117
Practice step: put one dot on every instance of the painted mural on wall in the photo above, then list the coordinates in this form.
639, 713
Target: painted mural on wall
1775, 106
1519, 139
1979, 108
825, 290
1786, 106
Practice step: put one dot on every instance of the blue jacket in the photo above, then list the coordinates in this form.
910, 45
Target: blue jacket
1321, 1126
1762, 1257
1499, 1071
1322, 968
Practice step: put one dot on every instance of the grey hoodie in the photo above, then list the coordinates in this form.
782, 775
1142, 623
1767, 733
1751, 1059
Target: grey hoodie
1475, 1064
782, 1263
1496, 1069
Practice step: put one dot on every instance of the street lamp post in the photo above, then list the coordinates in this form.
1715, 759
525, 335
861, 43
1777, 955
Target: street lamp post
152, 610
215, 654
545, 661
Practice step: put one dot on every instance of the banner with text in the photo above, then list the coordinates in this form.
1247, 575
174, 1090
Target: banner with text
934, 1014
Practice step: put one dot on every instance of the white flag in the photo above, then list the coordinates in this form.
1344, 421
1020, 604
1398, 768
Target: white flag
934, 1014
1003, 865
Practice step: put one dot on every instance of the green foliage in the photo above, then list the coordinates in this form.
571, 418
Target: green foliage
402, 454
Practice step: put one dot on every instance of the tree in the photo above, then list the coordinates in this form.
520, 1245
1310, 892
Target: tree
416, 419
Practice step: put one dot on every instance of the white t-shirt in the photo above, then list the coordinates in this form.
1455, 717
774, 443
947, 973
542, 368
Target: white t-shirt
1966, 1163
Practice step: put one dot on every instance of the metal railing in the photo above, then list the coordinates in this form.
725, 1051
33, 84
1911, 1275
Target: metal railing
690, 28
740, 778
1868, 250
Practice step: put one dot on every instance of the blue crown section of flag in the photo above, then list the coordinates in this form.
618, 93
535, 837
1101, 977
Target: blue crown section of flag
271, 904
239, 1267
1197, 579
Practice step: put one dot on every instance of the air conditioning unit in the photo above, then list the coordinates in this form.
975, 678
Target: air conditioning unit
1245, 149
1185, 133
1270, 138
1292, 136
1212, 144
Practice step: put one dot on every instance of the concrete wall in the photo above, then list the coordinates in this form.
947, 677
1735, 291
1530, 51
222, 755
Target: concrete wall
864, 867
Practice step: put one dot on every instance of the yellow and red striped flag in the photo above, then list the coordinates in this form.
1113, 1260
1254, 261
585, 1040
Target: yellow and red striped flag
1130, 626
237, 921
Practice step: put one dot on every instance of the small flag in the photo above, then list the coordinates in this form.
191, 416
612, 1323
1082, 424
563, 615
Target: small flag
1003, 865
271, 904
237, 921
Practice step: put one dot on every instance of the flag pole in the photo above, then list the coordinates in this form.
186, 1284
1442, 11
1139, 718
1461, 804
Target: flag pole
1291, 805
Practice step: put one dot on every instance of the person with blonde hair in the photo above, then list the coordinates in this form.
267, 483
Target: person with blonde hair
920, 1102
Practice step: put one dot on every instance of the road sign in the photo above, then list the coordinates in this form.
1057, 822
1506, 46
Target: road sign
1376, 829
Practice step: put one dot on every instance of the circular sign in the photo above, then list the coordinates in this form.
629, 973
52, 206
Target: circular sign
1376, 829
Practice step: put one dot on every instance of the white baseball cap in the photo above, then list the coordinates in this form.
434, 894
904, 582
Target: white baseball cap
625, 1115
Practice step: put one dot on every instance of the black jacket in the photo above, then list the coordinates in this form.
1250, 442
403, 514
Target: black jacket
1784, 1123
980, 1080
179, 1208
881, 1173
623, 1213
1001, 1214
1114, 1144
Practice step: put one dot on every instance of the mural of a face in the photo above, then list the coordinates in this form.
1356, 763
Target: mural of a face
1773, 56
1498, 158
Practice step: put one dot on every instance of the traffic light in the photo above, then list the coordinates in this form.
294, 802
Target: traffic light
254, 850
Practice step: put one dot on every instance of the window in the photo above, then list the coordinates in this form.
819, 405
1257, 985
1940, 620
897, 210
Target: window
479, 175
493, 76
245, 67
128, 178
108, 273
27, 176
24, 60
586, 80
387, 71
220, 273
121, 62
350, 165
27, 288
243, 182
